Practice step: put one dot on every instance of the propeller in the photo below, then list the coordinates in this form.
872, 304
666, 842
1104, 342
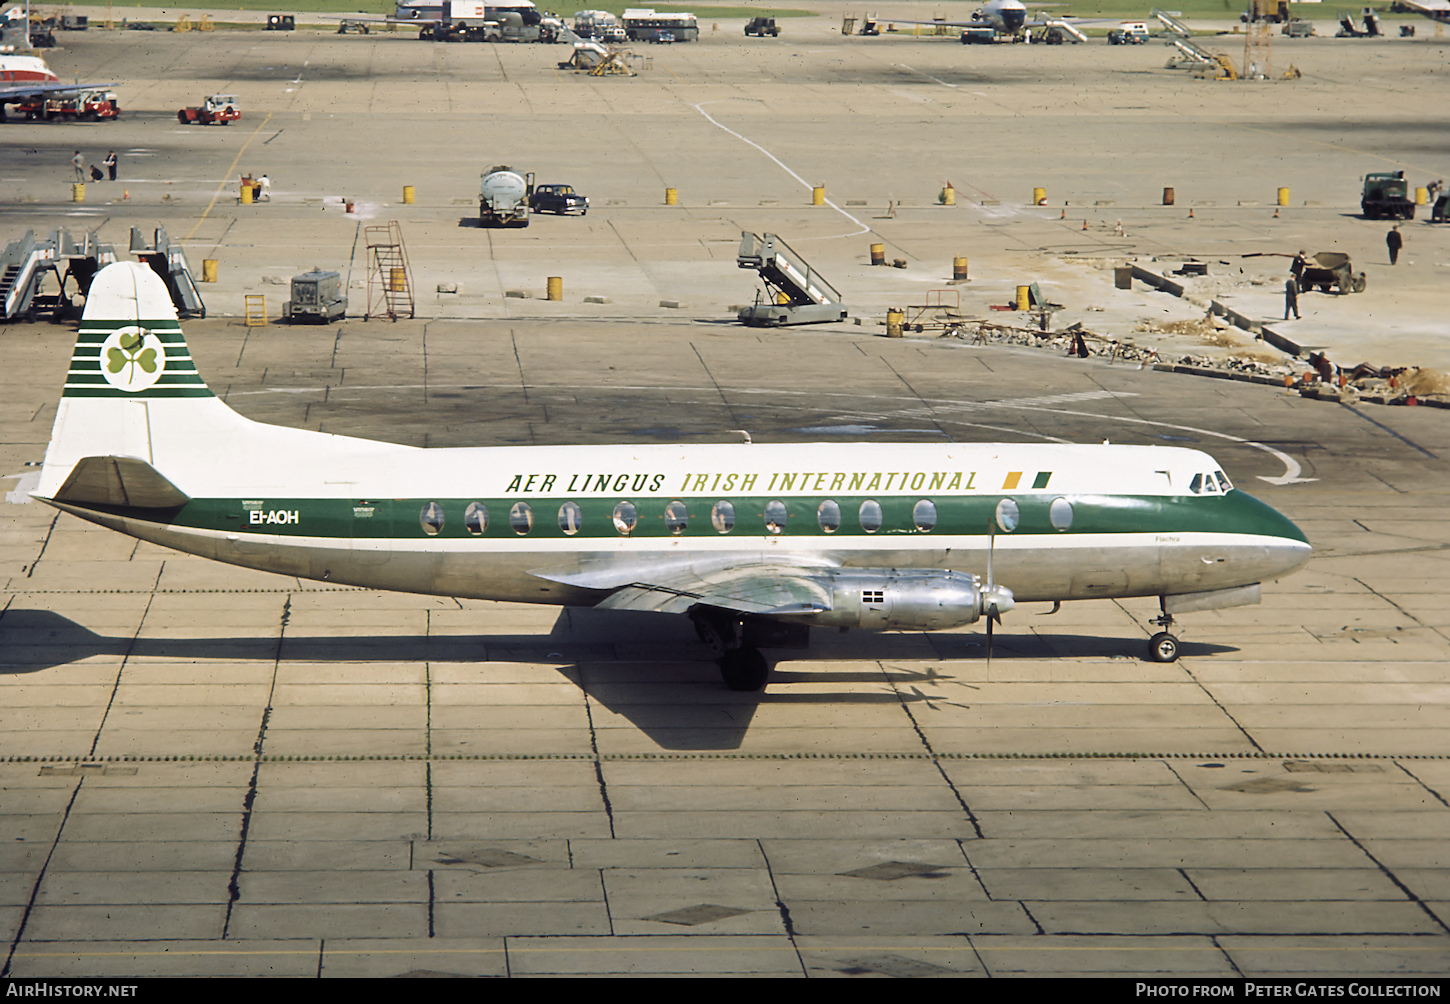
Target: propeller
996, 600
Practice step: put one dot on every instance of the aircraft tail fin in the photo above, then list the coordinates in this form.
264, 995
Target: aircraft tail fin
132, 393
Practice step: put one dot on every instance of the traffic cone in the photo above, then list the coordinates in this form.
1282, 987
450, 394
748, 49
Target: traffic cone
126, 194
1064, 215
1084, 224
1276, 214
1190, 214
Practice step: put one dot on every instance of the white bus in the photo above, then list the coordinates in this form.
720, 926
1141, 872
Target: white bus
645, 25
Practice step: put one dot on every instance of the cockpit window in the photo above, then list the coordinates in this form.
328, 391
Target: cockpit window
1223, 481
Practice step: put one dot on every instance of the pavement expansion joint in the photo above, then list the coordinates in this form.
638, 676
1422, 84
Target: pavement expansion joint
80, 765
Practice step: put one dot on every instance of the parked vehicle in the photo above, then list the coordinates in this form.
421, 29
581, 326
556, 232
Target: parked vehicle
503, 197
558, 199
762, 26
216, 109
1386, 197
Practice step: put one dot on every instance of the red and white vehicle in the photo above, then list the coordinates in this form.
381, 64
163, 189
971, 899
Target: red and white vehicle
218, 109
89, 106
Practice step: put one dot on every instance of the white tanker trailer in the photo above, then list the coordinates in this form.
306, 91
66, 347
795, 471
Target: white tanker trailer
503, 197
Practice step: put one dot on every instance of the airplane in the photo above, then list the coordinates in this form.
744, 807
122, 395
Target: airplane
1002, 18
754, 543
25, 79
1435, 10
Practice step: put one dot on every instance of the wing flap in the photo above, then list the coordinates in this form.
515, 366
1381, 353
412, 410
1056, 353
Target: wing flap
751, 587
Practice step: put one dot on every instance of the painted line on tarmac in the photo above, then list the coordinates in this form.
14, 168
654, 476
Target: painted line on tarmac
226, 178
783, 166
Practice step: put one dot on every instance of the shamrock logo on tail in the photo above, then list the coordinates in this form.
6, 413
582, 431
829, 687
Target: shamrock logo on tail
133, 359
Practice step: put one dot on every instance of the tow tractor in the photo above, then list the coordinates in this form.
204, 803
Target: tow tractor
219, 109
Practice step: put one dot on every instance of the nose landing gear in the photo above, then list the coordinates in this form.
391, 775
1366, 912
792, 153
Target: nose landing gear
1163, 647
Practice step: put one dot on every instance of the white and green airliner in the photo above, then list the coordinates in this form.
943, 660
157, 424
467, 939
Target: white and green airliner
755, 543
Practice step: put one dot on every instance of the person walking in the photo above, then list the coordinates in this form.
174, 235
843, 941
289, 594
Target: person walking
1291, 298
110, 163
79, 163
1394, 242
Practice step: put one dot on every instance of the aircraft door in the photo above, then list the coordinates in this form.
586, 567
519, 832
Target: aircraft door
372, 531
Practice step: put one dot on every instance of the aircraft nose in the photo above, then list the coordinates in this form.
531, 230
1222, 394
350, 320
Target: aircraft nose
1014, 19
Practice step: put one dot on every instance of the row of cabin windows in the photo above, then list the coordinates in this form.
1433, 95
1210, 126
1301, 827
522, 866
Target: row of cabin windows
722, 517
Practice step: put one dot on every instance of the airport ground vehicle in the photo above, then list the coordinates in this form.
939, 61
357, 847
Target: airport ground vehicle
558, 199
91, 106
1441, 211
1386, 197
762, 26
316, 296
1332, 269
218, 109
1135, 33
503, 197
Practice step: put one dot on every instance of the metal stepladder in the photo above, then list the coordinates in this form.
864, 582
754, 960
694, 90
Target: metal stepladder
390, 280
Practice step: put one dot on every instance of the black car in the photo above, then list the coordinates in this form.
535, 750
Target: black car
559, 199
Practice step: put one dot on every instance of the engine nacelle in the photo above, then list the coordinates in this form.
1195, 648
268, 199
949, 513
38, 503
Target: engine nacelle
884, 599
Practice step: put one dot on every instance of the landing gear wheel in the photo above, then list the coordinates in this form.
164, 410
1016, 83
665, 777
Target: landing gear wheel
1163, 647
744, 669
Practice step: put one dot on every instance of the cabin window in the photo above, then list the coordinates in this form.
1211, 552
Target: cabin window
722, 516
677, 517
1008, 515
828, 516
521, 518
475, 518
570, 517
775, 515
870, 515
923, 514
625, 518
1060, 514
431, 519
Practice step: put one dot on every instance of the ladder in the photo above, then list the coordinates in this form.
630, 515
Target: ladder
390, 280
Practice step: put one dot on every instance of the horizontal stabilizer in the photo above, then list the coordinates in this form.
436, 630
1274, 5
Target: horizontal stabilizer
119, 481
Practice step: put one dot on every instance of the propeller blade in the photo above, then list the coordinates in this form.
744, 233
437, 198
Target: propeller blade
989, 644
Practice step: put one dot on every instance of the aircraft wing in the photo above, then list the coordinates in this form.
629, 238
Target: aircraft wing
750, 587
1435, 10
42, 88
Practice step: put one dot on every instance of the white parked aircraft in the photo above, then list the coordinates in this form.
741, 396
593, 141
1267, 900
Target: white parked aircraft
1001, 18
1435, 10
750, 541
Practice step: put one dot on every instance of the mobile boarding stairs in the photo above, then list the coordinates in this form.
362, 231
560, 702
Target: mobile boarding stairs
796, 293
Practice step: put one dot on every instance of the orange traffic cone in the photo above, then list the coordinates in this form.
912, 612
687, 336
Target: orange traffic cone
1084, 224
1190, 214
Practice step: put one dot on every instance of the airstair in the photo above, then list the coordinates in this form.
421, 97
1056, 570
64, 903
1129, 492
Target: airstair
797, 293
1172, 23
1191, 55
1067, 28
29, 263
168, 260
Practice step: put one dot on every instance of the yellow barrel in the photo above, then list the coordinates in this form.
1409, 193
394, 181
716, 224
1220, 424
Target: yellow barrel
895, 323
959, 269
949, 196
556, 287
1039, 196
1283, 196
1168, 195
818, 195
78, 192
407, 195
246, 194
672, 197
878, 254
1024, 298
208, 270
1422, 196
398, 281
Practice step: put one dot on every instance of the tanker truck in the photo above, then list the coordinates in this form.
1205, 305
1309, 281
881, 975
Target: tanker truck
503, 197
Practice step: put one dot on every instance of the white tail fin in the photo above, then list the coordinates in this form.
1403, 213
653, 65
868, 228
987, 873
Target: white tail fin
131, 376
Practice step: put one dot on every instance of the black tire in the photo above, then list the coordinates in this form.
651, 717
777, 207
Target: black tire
1163, 647
744, 670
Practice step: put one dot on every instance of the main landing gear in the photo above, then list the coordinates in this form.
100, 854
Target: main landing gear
742, 667
1163, 647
